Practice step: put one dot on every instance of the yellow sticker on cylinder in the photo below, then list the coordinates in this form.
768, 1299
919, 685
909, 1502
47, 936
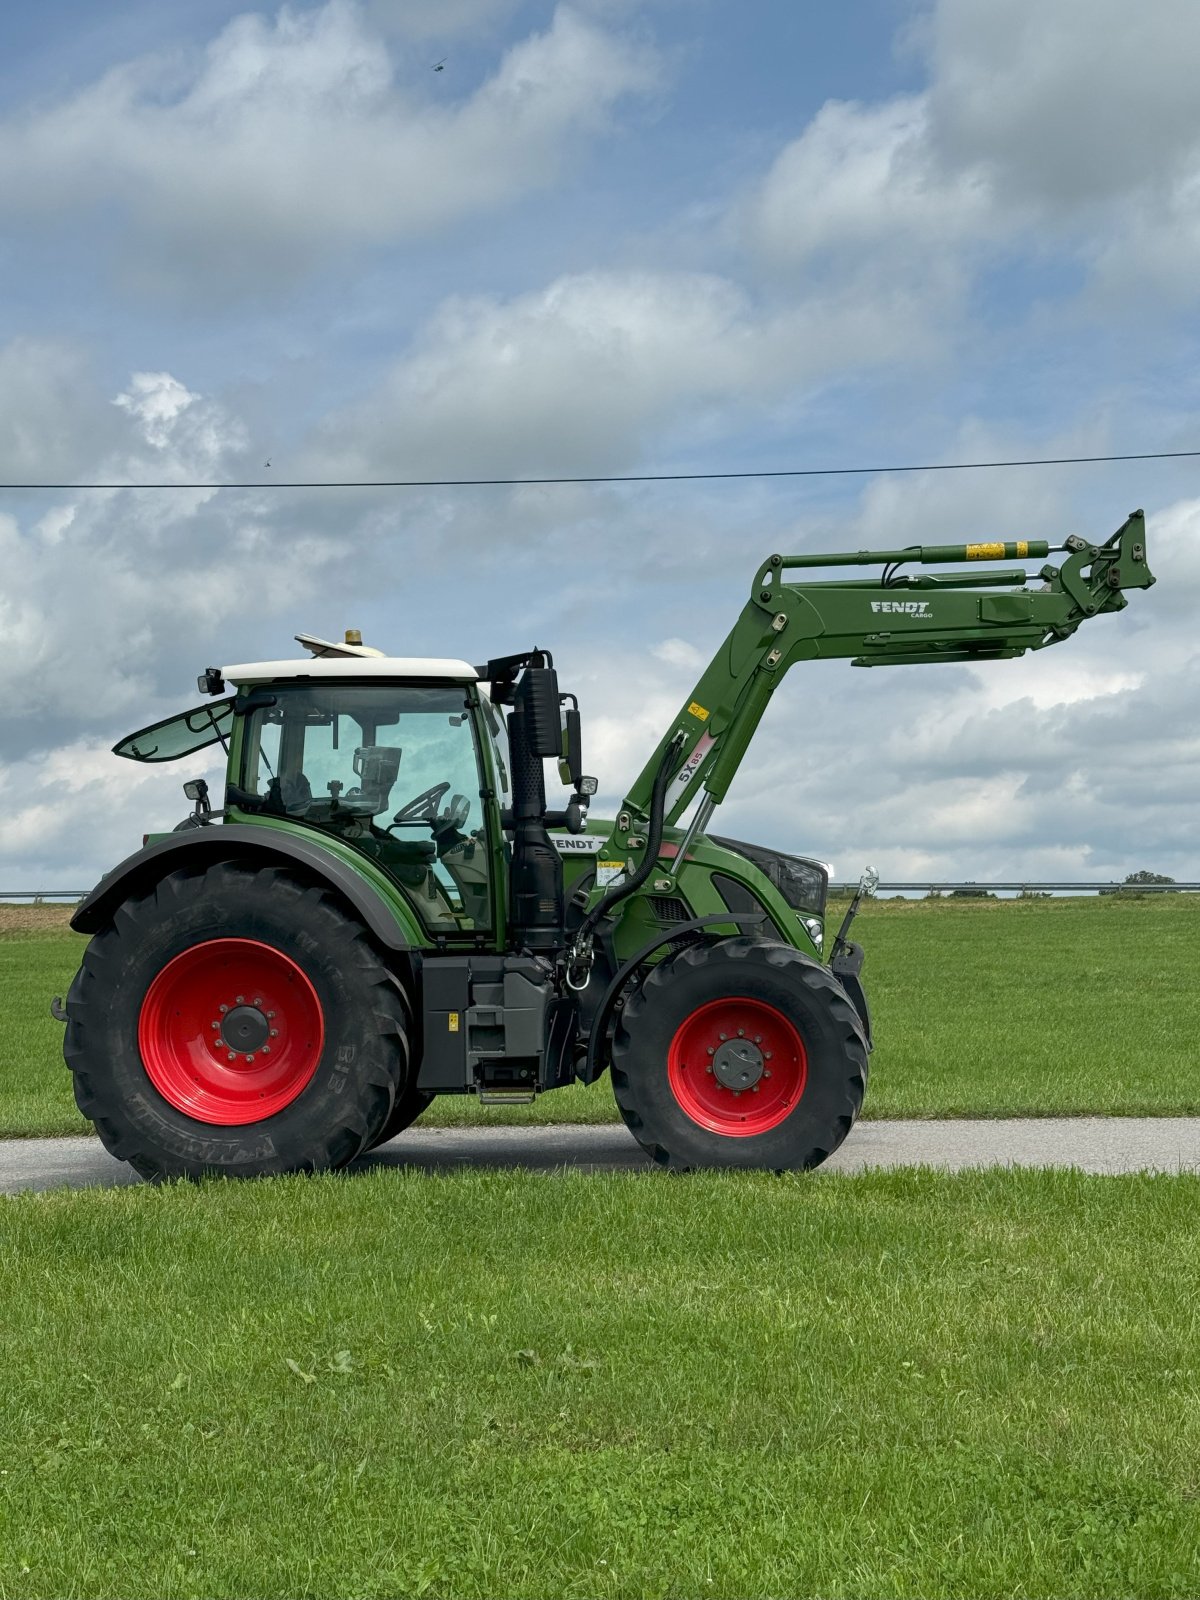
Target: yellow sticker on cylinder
1022, 547
985, 552
698, 711
452, 1021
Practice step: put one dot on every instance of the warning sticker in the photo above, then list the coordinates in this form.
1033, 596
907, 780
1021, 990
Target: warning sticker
985, 552
608, 872
698, 711
452, 1021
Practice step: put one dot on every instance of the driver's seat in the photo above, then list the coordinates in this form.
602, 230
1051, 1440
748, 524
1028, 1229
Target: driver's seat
376, 767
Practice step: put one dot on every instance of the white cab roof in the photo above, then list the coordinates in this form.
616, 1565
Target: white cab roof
324, 668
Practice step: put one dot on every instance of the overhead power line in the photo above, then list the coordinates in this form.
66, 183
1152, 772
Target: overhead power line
622, 477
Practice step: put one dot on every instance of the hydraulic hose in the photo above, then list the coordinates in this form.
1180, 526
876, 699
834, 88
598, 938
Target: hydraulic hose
622, 891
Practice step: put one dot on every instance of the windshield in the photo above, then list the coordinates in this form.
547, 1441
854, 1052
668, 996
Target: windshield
391, 769
180, 735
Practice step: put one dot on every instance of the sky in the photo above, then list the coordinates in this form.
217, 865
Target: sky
607, 237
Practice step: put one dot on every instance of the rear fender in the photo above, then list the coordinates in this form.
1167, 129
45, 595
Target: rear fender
387, 919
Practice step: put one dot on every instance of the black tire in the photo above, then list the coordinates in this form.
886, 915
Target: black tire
759, 980
355, 1056
405, 1112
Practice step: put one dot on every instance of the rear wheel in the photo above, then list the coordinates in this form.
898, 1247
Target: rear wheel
405, 1112
235, 1021
739, 1054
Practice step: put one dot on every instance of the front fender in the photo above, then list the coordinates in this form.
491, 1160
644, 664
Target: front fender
233, 841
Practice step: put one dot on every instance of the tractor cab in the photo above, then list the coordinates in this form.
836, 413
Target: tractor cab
404, 762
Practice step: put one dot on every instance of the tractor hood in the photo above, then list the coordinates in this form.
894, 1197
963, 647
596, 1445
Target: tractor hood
803, 882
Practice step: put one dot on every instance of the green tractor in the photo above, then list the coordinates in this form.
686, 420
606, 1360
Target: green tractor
386, 909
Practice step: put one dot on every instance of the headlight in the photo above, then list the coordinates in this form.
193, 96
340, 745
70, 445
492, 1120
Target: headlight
816, 930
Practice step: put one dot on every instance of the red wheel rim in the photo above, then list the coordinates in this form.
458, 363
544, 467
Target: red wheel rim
231, 1031
737, 1066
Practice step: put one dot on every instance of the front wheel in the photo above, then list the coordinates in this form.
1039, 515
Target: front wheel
742, 1053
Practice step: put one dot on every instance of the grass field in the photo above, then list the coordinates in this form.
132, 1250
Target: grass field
981, 1008
492, 1384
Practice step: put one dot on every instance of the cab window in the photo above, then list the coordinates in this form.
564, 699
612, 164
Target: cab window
391, 769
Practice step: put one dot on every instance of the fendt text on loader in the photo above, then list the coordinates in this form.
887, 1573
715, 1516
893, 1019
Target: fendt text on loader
386, 909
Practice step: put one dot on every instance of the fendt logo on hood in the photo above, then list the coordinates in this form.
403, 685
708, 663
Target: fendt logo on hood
905, 608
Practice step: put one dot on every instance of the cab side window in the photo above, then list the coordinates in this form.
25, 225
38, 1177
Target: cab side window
393, 770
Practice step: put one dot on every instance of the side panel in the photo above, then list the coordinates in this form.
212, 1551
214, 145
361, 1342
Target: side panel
273, 844
494, 1022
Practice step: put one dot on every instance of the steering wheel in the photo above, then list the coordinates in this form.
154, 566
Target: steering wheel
422, 807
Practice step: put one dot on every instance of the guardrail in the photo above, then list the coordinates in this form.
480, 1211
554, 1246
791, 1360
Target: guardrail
922, 886
919, 887
43, 894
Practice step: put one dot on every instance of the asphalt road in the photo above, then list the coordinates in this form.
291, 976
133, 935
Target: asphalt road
1093, 1144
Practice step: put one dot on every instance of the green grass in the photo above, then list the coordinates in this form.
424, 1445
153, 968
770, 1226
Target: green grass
488, 1384
981, 1008
38, 958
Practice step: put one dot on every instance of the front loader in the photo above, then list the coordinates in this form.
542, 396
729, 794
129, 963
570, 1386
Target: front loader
386, 908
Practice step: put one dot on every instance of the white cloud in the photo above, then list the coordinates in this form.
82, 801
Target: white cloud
198, 435
581, 376
1067, 102
442, 20
1070, 127
66, 811
102, 590
300, 138
49, 411
862, 176
678, 653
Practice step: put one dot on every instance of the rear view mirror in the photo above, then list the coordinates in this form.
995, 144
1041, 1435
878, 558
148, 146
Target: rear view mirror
570, 768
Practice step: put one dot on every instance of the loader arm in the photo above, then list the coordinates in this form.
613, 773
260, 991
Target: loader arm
898, 617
